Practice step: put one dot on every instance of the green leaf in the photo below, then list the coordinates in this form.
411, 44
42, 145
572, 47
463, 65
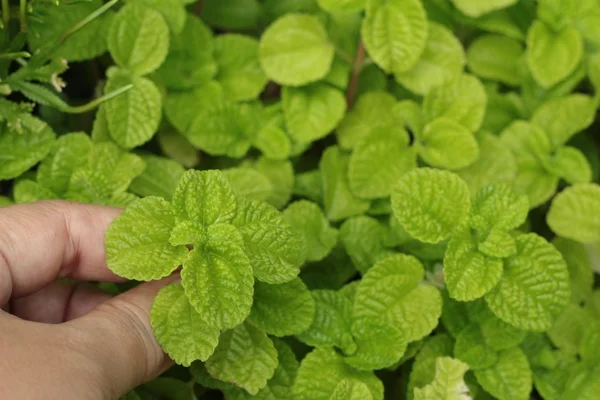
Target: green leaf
430, 204
351, 390
311, 112
389, 291
248, 183
497, 58
568, 329
498, 334
332, 322
252, 211
295, 50
158, 179
281, 175
580, 268
498, 243
510, 378
137, 242
462, 100
423, 369
573, 213
134, 116
179, 328
190, 63
322, 370
534, 288
89, 42
447, 144
309, 220
239, 70
475, 8
552, 56
138, 39
563, 117
378, 162
173, 13
448, 383
589, 344
176, 146
21, 151
498, 207
334, 6
282, 310
26, 191
372, 112
496, 164
232, 15
379, 344
275, 250
471, 348
181, 108
114, 165
69, 153
205, 197
245, 357
224, 128
338, 199
394, 33
469, 273
363, 239
443, 59
218, 282
570, 164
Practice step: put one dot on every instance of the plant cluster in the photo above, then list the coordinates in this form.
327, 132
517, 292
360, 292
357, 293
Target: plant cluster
364, 199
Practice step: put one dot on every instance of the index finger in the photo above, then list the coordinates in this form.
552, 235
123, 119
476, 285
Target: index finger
44, 241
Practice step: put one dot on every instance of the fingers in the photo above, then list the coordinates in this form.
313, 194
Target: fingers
58, 303
44, 241
120, 339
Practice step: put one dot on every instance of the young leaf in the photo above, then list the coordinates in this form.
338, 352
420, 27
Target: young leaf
338, 199
534, 288
134, 116
245, 357
217, 278
448, 383
475, 8
138, 39
378, 344
390, 291
351, 390
282, 310
469, 273
295, 50
309, 220
190, 63
552, 56
21, 151
379, 161
574, 214
462, 100
447, 144
205, 197
496, 57
394, 33
322, 370
372, 112
137, 242
423, 369
442, 60
332, 322
239, 70
312, 112
179, 328
430, 204
498, 207
510, 378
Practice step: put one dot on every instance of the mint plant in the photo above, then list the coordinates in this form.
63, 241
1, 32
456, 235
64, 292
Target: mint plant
362, 199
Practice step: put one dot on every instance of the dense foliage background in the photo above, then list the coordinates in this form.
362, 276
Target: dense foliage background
434, 164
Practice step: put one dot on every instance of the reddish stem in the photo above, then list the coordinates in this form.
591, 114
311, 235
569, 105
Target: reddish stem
356, 69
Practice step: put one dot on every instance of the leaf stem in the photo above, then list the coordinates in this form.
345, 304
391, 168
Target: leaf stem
23, 14
342, 54
88, 19
359, 63
15, 55
95, 103
5, 13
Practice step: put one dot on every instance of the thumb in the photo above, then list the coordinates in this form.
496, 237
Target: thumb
120, 341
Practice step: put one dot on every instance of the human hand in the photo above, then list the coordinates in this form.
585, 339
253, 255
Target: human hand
61, 341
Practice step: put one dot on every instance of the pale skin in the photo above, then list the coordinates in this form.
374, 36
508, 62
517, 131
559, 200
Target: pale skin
62, 341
